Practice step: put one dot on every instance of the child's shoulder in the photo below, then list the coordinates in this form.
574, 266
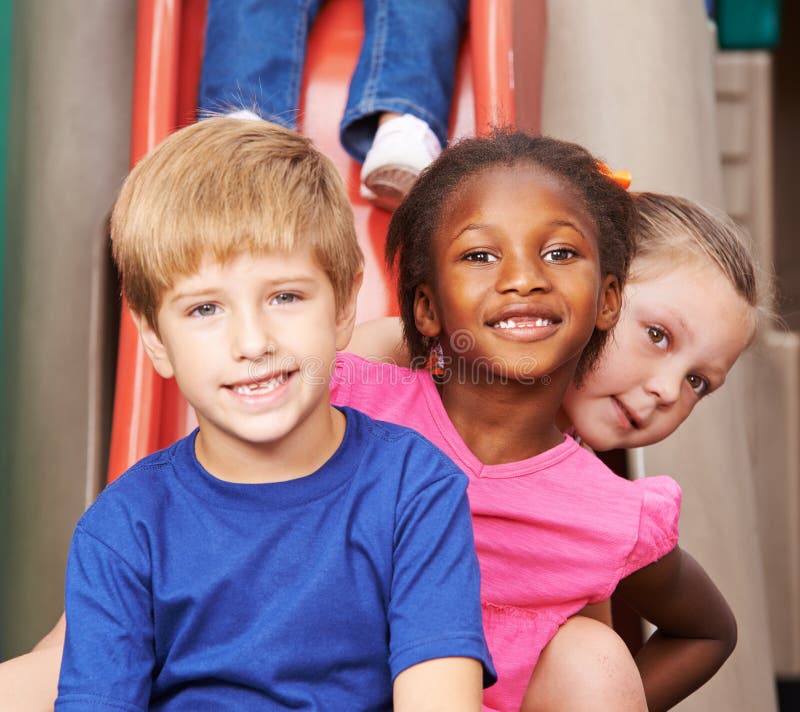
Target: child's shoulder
587, 461
350, 368
659, 516
652, 496
391, 435
383, 390
141, 487
388, 447
640, 515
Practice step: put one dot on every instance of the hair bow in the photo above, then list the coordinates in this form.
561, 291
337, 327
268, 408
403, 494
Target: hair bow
621, 178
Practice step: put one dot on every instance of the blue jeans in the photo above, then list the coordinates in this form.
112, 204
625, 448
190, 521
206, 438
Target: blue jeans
255, 51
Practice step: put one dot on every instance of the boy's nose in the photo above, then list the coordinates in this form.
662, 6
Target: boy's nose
252, 338
521, 275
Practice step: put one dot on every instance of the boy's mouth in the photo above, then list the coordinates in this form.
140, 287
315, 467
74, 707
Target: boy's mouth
260, 387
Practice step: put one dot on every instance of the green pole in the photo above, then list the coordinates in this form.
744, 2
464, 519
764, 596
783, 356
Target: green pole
5, 79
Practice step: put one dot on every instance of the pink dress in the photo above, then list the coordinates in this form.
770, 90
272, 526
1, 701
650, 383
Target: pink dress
553, 532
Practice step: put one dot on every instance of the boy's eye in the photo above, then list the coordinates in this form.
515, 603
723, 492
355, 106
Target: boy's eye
559, 254
284, 298
205, 310
698, 384
480, 256
658, 336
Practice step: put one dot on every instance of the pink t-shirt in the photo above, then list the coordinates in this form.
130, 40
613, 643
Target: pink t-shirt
553, 532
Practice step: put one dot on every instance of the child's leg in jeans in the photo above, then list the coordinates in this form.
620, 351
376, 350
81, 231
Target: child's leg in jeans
586, 666
254, 56
29, 683
407, 66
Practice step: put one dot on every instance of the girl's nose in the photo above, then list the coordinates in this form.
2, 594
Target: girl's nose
521, 275
665, 387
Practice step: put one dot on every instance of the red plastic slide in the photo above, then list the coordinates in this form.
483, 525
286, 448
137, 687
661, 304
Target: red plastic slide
149, 413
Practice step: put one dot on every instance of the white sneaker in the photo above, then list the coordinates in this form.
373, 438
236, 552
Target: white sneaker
244, 114
402, 147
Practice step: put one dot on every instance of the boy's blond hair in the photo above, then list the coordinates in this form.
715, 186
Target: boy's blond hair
223, 187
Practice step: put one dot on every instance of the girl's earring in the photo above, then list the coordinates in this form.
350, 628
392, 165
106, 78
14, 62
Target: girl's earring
435, 363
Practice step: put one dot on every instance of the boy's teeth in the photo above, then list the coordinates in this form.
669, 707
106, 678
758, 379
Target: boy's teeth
261, 386
513, 324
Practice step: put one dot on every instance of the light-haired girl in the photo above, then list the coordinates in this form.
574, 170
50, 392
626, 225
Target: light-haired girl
691, 305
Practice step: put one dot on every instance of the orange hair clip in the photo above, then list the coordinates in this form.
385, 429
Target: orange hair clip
621, 178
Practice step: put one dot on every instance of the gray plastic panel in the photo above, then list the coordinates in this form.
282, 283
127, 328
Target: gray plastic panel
69, 129
634, 82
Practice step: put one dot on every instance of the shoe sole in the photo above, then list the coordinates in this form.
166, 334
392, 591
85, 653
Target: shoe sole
390, 184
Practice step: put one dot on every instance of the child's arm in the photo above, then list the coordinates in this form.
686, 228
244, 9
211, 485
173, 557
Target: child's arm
380, 339
443, 684
55, 638
696, 627
28, 683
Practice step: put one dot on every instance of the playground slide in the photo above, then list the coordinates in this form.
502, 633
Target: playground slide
149, 413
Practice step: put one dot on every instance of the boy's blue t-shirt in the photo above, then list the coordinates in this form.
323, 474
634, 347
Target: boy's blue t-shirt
185, 592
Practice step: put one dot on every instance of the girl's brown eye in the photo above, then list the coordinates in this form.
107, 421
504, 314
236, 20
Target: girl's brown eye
698, 384
657, 336
559, 254
479, 256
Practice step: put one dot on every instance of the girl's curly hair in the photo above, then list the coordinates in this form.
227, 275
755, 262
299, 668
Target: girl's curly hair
415, 222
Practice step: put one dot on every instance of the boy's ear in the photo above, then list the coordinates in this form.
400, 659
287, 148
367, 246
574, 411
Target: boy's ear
610, 304
346, 318
153, 346
426, 317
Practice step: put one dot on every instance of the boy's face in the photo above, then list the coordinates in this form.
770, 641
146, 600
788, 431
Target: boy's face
251, 343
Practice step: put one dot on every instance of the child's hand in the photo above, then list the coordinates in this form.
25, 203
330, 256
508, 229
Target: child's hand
696, 627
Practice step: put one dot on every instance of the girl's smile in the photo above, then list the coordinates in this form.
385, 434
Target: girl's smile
525, 322
625, 419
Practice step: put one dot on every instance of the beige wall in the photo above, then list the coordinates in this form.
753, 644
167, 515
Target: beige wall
69, 128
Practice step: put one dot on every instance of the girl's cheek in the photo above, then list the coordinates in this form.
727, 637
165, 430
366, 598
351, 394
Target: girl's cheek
683, 411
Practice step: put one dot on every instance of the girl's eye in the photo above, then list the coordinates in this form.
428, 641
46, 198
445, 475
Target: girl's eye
284, 298
559, 254
480, 256
698, 384
658, 336
205, 310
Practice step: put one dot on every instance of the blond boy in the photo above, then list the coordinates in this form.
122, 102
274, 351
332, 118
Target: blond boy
287, 554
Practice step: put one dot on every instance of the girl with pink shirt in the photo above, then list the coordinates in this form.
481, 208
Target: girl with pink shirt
511, 252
